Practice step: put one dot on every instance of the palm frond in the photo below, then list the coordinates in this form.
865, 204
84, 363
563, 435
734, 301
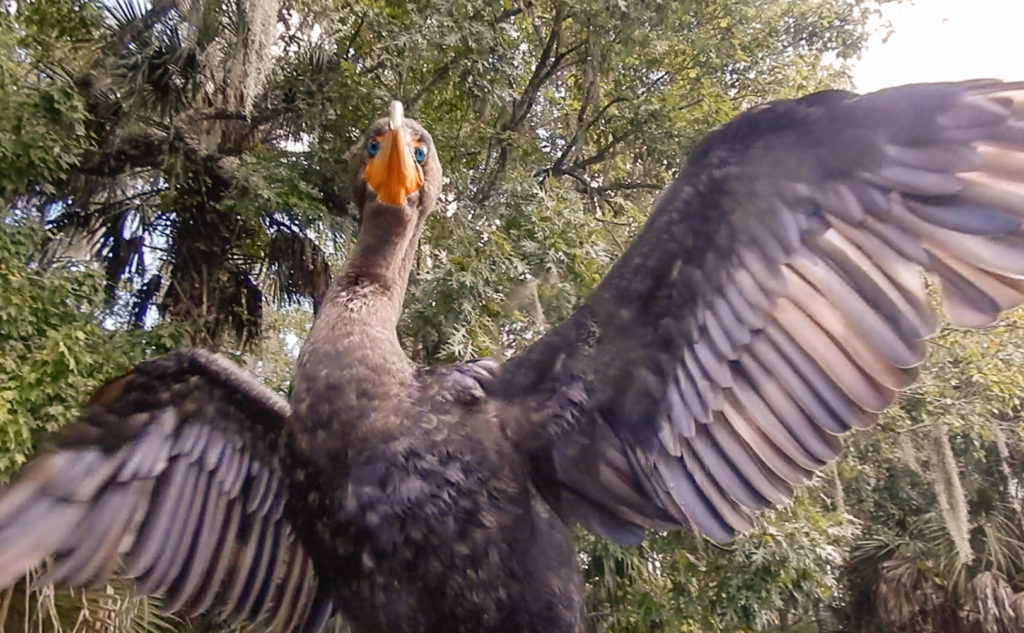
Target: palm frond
108, 609
990, 607
298, 267
122, 14
910, 599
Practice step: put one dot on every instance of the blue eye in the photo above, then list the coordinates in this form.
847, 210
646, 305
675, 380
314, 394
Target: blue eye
420, 154
372, 147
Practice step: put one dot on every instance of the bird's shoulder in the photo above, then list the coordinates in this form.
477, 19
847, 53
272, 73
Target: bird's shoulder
465, 383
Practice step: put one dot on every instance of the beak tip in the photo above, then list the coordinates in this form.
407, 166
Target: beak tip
397, 115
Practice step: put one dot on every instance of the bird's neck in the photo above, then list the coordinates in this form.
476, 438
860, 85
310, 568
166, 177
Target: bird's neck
376, 276
352, 373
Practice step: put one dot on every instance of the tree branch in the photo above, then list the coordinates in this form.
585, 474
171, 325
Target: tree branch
445, 70
440, 74
352, 40
547, 65
602, 154
628, 186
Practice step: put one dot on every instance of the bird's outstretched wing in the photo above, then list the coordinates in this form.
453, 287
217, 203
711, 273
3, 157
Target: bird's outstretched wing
773, 302
173, 476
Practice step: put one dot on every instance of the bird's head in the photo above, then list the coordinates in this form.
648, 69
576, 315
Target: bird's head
398, 166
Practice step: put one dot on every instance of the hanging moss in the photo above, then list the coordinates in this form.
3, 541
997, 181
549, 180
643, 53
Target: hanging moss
950, 494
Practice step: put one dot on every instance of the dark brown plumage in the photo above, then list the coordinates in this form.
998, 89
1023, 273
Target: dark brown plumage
772, 303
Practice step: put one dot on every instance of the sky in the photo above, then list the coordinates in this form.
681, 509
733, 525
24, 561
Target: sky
937, 40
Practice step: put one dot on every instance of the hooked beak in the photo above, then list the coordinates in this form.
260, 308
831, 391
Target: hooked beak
393, 173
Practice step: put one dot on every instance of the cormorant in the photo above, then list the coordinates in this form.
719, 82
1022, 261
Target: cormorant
772, 302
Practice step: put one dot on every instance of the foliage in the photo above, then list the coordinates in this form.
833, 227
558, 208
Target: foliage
908, 573
42, 122
53, 348
679, 582
109, 609
198, 150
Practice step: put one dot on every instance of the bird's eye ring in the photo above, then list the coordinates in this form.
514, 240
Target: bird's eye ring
420, 154
372, 147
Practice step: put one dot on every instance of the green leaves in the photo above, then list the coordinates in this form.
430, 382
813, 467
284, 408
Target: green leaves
679, 582
53, 350
557, 123
938, 491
